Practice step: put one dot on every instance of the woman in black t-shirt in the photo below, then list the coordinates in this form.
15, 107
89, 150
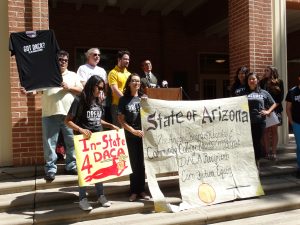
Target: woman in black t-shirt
261, 104
238, 85
130, 119
85, 117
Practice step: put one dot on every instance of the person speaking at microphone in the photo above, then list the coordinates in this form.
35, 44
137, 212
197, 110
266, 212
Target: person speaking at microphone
148, 79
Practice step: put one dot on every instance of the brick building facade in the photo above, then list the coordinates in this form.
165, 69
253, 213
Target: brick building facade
173, 42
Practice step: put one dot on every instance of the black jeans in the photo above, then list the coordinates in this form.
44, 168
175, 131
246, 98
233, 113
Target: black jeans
257, 130
136, 155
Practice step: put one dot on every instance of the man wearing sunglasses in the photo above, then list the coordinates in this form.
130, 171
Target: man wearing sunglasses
91, 67
56, 103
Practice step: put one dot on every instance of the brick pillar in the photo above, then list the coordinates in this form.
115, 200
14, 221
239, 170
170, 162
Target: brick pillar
27, 148
250, 34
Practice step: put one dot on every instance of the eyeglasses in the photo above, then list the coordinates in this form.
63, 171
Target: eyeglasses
95, 54
100, 88
135, 81
63, 60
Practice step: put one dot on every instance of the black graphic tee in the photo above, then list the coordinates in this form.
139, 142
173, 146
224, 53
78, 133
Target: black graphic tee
87, 117
36, 56
258, 101
130, 108
293, 96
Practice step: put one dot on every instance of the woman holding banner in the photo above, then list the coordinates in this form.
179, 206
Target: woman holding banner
258, 100
130, 119
84, 117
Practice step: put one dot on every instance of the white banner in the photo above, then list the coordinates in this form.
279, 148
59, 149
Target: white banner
208, 142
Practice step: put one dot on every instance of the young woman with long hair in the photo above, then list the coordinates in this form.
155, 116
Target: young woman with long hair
130, 119
274, 86
85, 117
261, 104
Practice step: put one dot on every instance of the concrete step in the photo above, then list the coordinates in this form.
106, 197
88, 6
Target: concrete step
290, 217
285, 165
224, 213
62, 203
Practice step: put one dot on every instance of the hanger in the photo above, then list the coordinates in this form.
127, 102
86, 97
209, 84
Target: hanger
31, 33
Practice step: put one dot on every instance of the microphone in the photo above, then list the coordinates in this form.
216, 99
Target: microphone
164, 84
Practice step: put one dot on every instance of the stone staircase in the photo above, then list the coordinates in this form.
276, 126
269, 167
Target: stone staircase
26, 198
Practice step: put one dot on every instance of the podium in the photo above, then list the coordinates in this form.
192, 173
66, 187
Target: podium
164, 93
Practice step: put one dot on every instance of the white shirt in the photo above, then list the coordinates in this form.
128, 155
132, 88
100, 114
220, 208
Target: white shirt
57, 101
86, 71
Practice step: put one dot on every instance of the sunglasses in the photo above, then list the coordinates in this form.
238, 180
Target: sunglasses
63, 60
100, 88
95, 54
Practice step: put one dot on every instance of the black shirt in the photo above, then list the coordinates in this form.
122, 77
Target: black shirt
130, 108
87, 117
293, 96
258, 101
36, 57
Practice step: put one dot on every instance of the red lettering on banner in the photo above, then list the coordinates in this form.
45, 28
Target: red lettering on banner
86, 164
121, 152
85, 148
109, 142
97, 156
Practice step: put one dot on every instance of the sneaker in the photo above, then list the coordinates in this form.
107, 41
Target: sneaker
132, 197
103, 201
50, 176
144, 196
85, 205
71, 172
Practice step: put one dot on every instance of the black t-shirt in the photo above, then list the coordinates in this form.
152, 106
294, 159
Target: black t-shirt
36, 57
276, 95
293, 96
258, 101
130, 108
87, 117
238, 90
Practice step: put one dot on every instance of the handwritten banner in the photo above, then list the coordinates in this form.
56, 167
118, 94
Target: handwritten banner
208, 142
102, 157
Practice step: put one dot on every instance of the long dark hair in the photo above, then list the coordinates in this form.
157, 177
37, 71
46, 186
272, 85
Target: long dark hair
127, 91
87, 96
248, 90
237, 82
272, 84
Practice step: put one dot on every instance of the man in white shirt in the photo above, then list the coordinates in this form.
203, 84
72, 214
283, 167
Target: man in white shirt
90, 68
56, 103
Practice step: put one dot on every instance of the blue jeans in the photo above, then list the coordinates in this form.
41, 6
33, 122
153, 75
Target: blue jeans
51, 125
99, 191
296, 130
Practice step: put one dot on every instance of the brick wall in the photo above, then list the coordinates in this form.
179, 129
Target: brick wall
167, 40
250, 34
26, 110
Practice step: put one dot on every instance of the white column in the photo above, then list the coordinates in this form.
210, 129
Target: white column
5, 112
280, 56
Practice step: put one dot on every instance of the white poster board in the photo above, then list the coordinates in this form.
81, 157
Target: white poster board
208, 142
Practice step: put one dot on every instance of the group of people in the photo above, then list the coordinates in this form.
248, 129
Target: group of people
68, 109
265, 95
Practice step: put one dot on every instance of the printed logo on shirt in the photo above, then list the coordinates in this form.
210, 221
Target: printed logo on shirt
94, 115
297, 98
255, 96
135, 107
33, 48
